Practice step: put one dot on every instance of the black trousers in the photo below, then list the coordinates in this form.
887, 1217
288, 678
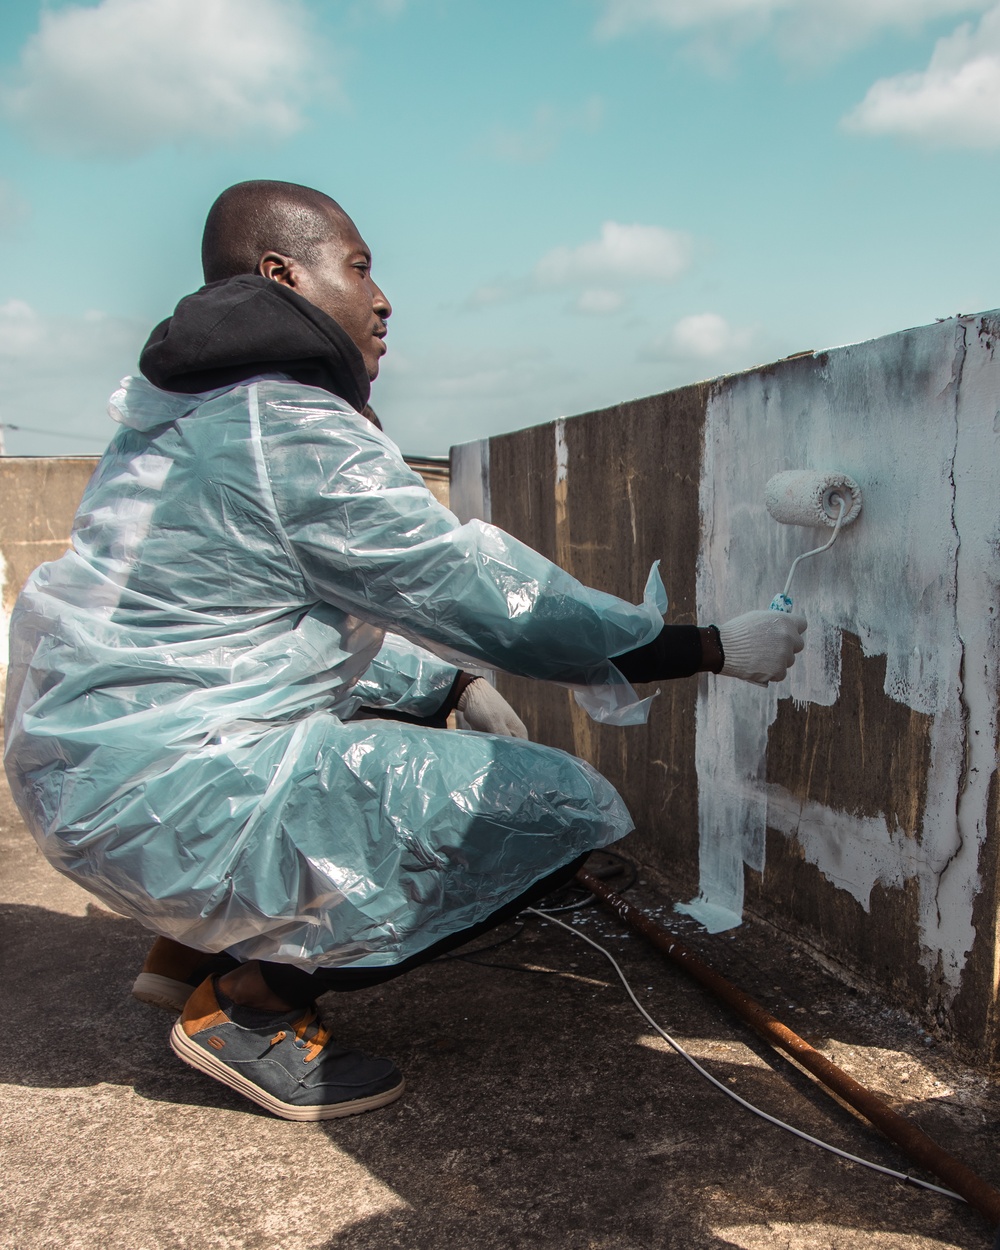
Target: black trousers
298, 988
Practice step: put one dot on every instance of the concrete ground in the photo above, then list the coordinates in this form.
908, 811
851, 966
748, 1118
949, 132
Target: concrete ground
541, 1109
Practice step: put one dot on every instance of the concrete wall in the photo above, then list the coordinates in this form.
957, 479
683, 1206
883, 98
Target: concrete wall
856, 804
38, 500
436, 472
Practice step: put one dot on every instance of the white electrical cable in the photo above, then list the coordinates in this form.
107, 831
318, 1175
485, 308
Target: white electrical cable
796, 1132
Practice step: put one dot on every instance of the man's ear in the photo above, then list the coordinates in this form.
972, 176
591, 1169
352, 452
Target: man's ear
279, 268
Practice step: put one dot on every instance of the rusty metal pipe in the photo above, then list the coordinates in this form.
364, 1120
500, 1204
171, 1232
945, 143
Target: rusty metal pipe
916, 1144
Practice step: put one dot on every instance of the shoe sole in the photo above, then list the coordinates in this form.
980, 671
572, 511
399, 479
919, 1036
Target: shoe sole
160, 991
196, 1057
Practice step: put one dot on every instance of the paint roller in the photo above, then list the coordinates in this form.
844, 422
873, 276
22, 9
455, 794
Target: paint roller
805, 497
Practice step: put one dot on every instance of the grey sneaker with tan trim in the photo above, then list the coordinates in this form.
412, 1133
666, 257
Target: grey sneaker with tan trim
290, 1066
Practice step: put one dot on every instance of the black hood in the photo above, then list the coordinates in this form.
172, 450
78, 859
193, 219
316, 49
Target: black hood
235, 329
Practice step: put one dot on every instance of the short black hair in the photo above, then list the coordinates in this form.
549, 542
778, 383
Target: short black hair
251, 218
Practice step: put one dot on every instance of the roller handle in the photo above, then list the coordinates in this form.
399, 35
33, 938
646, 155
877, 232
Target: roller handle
783, 602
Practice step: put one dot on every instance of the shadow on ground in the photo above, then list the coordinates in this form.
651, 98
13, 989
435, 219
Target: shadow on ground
540, 1110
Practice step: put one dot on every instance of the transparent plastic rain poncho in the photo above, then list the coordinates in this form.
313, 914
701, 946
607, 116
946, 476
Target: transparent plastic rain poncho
183, 681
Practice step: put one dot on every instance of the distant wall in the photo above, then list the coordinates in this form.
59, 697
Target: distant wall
39, 496
856, 804
436, 472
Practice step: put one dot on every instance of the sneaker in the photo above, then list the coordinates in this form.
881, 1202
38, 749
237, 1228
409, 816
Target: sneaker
171, 972
289, 1066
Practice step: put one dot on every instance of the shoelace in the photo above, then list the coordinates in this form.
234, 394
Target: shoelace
311, 1042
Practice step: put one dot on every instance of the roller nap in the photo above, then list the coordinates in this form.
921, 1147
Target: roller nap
805, 497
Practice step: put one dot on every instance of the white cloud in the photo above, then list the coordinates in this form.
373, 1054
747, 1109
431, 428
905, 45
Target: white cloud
598, 302
810, 28
125, 76
56, 374
955, 101
699, 337
619, 256
539, 139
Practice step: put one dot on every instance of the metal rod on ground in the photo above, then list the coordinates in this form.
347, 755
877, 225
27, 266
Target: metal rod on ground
920, 1148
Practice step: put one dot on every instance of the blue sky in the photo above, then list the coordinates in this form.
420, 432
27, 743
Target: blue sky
570, 202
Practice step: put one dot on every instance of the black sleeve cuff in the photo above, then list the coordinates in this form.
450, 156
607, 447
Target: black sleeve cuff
674, 652
458, 688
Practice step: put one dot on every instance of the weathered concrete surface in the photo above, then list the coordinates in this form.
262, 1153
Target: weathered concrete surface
856, 804
38, 499
541, 1109
436, 474
627, 495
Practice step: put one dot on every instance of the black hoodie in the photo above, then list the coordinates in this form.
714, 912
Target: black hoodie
244, 326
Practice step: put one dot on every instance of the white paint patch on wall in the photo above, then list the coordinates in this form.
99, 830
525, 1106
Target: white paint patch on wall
914, 419
856, 853
562, 451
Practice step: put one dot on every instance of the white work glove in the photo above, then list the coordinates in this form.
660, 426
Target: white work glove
488, 712
761, 646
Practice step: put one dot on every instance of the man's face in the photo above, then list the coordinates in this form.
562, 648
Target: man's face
340, 283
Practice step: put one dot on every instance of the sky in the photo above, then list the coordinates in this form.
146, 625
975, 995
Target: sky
570, 203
